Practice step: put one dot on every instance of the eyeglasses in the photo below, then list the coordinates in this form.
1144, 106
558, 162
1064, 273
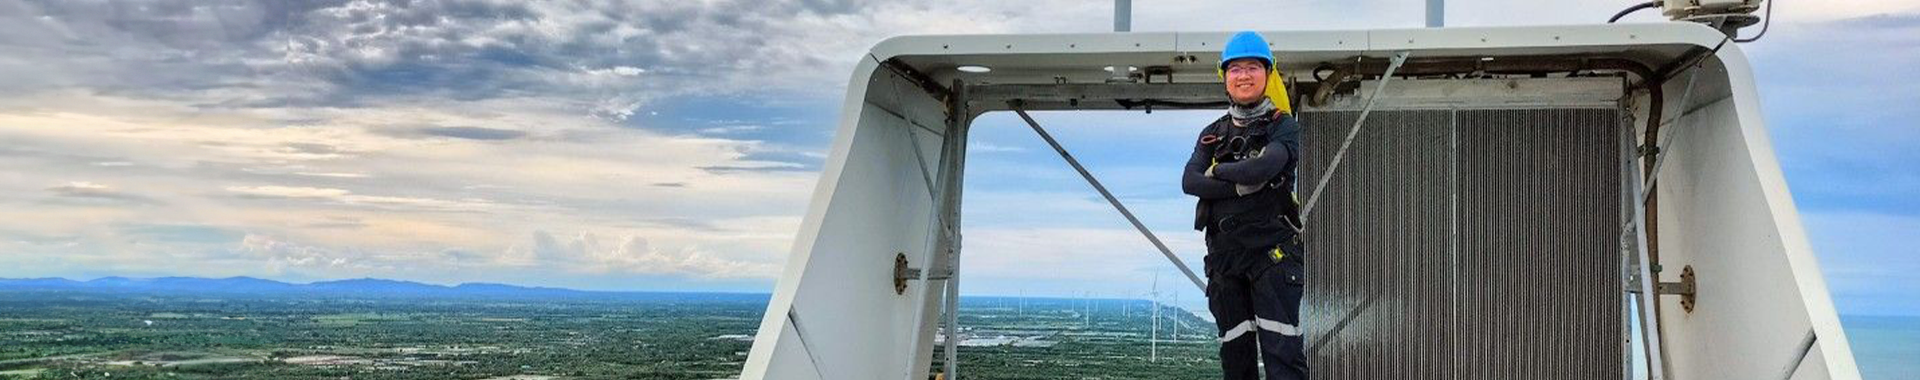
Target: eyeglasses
1246, 70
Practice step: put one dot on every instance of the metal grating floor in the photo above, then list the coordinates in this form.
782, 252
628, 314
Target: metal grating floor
1466, 244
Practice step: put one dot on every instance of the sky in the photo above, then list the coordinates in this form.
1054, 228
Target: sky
672, 145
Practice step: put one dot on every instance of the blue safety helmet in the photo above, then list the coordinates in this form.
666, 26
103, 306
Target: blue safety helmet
1249, 45
1246, 45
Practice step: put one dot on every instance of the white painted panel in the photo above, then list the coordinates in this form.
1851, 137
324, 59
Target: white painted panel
1832, 351
1533, 36
1715, 221
872, 204
1726, 211
1047, 44
1209, 44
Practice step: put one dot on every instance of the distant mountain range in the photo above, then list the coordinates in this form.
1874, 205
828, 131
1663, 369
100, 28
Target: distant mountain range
255, 286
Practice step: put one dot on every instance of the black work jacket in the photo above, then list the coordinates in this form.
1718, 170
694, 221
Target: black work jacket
1266, 153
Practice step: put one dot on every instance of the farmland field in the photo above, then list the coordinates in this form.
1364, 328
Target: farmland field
63, 335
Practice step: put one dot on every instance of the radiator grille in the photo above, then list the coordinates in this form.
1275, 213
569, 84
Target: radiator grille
1474, 244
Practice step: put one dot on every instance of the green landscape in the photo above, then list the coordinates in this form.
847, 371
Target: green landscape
63, 334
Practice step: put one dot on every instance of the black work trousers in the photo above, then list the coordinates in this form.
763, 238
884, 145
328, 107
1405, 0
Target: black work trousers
1255, 300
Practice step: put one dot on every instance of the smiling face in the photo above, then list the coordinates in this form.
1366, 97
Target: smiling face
1246, 80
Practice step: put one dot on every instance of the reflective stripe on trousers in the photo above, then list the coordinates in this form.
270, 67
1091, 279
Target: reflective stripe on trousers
1264, 324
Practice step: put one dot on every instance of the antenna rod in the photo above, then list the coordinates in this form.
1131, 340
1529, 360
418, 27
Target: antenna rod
1122, 15
1436, 13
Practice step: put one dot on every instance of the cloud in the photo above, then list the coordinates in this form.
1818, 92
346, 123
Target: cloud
760, 167
1811, 12
732, 129
348, 198
362, 137
181, 233
372, 197
474, 133
992, 148
82, 189
280, 256
340, 222
678, 139
89, 191
468, 133
625, 71
606, 59
316, 149
1053, 261
288, 192
332, 174
634, 255
611, 58
1844, 136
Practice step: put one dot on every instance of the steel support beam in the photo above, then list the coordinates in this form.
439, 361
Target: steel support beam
999, 94
1017, 109
1800, 355
1635, 241
1639, 187
953, 154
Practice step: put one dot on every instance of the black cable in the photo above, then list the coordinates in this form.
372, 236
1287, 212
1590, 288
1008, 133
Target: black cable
1702, 58
1637, 8
1317, 70
1763, 27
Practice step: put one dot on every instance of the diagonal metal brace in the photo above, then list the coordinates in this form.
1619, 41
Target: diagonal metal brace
1633, 242
1398, 59
1018, 108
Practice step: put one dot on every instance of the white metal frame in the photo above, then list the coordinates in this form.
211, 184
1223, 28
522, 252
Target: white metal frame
1725, 207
